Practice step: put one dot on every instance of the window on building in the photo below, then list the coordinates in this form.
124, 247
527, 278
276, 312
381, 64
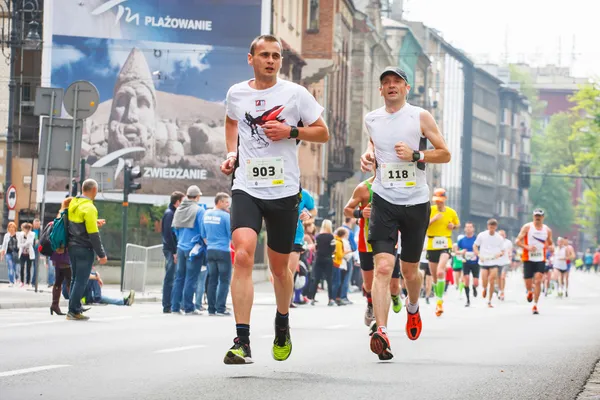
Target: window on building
290, 11
506, 116
513, 150
26, 92
313, 15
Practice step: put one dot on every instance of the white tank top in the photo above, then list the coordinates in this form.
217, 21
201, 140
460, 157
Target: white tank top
560, 258
398, 182
537, 238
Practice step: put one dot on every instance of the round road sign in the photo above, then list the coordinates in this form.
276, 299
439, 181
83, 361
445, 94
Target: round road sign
11, 197
88, 99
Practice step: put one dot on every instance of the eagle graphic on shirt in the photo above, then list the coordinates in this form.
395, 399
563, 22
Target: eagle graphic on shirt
256, 123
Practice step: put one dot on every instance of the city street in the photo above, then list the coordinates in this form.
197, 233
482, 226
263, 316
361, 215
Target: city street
469, 353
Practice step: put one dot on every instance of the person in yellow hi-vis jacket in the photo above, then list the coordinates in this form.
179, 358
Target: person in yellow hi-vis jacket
442, 221
84, 241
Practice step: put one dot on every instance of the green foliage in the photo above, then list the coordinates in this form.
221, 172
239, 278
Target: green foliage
554, 196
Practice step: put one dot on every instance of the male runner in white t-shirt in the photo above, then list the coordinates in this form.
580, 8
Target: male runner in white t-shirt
489, 248
398, 134
266, 118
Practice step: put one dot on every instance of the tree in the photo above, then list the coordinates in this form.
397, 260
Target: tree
550, 193
554, 196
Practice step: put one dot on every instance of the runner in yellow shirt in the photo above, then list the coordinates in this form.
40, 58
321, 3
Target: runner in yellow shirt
442, 221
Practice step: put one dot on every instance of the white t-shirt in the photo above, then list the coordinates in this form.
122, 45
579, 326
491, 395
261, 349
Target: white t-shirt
505, 259
269, 170
489, 248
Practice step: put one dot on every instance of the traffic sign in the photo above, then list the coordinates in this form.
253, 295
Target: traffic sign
85, 94
11, 197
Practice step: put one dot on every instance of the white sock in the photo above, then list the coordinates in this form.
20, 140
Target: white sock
383, 329
412, 308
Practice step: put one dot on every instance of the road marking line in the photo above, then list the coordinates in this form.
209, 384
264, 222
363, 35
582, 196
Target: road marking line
176, 349
30, 370
111, 318
332, 327
31, 323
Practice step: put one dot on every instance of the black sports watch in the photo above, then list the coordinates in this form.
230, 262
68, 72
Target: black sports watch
416, 156
294, 133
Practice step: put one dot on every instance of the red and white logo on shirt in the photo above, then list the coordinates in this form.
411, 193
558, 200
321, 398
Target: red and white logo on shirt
261, 105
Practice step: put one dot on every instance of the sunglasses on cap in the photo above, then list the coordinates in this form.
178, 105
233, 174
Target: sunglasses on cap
538, 212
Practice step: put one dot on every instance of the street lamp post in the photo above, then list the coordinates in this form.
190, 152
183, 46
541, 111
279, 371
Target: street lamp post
12, 13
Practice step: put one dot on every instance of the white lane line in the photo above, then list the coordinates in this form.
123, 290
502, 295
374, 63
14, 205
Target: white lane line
110, 318
31, 323
333, 327
30, 370
176, 349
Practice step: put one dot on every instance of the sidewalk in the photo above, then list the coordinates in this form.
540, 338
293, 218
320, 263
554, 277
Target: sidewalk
23, 297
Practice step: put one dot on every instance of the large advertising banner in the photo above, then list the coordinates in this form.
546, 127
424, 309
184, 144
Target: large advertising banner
163, 68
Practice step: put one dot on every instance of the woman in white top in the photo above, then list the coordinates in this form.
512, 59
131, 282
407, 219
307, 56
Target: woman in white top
10, 252
560, 263
25, 240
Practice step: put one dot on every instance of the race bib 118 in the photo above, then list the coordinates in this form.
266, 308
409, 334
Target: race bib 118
401, 174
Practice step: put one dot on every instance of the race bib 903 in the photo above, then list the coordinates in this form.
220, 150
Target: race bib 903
265, 172
401, 174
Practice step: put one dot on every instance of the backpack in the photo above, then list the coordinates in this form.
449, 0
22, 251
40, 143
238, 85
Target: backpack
59, 237
45, 247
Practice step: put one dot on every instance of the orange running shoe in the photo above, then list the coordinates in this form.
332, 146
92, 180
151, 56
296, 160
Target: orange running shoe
535, 310
490, 305
413, 325
530, 296
439, 308
380, 345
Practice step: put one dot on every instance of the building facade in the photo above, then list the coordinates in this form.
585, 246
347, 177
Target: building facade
327, 49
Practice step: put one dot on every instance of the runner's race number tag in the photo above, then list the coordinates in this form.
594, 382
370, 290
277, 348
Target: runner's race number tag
265, 172
398, 174
536, 255
440, 243
470, 256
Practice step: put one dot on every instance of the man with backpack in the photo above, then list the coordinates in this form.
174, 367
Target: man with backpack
83, 241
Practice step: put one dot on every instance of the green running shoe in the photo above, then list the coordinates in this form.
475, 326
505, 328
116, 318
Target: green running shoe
282, 345
396, 304
239, 353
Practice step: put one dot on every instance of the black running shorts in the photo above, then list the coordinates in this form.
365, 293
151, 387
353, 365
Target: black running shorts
387, 219
471, 269
366, 261
530, 268
434, 255
425, 268
280, 215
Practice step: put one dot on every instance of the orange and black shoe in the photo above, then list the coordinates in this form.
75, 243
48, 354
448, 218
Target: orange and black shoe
535, 310
529, 296
380, 344
439, 308
413, 325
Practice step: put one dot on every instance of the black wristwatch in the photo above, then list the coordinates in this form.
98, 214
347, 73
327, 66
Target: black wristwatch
416, 156
294, 133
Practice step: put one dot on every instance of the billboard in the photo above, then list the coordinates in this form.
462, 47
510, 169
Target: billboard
162, 68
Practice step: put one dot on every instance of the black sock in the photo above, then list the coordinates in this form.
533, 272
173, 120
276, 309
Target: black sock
405, 292
243, 332
467, 292
281, 320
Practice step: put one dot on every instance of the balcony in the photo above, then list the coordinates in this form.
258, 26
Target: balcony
341, 156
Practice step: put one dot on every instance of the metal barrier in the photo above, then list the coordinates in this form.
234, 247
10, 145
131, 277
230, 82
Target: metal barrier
138, 261
3, 271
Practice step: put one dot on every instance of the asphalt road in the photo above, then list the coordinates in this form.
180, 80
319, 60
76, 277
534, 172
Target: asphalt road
475, 353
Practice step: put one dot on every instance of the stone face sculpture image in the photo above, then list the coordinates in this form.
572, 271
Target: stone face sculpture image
133, 115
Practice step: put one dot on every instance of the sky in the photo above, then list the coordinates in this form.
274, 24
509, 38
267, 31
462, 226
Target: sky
538, 32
